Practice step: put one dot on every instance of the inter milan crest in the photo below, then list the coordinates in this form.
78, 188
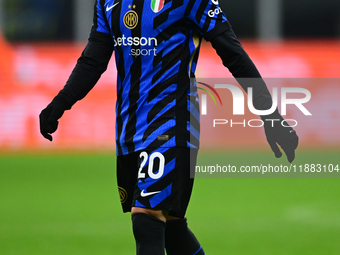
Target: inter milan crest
157, 5
131, 18
122, 194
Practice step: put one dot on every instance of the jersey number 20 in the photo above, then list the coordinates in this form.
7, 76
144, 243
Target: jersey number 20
144, 156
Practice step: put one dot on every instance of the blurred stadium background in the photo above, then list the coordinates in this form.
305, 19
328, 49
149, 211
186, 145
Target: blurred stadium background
61, 197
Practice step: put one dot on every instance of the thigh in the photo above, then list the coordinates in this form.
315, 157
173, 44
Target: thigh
127, 166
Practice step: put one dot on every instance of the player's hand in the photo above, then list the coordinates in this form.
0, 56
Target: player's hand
49, 117
277, 134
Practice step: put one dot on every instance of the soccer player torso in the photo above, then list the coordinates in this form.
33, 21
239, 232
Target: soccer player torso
156, 49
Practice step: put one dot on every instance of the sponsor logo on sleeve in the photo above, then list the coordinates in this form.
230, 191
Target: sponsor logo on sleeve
212, 13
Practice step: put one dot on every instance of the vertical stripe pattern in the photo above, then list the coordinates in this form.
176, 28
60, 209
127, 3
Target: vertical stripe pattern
156, 50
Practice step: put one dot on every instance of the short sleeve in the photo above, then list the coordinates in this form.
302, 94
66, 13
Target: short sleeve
208, 16
100, 23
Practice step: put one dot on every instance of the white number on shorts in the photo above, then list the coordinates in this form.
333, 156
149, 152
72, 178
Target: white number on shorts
152, 157
143, 155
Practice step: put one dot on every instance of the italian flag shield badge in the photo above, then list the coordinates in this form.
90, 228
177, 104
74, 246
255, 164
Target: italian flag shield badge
157, 5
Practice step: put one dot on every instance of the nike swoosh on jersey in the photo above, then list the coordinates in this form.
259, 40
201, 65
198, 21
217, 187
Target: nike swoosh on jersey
109, 8
142, 194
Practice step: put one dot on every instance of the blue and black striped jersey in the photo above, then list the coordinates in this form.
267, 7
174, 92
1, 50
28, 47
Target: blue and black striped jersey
156, 45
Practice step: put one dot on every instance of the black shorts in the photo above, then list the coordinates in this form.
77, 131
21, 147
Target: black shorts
157, 179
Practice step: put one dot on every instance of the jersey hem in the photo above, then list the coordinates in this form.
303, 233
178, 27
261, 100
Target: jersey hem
180, 145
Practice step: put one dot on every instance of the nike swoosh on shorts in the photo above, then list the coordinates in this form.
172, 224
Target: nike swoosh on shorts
142, 194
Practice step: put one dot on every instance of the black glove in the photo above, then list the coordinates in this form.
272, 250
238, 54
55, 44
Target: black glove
277, 134
49, 116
